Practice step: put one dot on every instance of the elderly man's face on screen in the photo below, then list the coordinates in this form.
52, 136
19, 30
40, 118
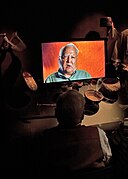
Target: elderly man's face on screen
69, 60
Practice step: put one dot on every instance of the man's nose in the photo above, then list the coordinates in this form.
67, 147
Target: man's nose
69, 59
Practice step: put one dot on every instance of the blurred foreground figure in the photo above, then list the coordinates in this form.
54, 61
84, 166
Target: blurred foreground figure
65, 149
71, 146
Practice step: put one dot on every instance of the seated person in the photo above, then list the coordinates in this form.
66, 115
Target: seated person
67, 66
71, 146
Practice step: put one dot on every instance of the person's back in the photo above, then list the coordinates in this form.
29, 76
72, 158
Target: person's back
70, 146
70, 149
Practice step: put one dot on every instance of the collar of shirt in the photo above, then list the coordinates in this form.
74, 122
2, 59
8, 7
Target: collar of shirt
61, 74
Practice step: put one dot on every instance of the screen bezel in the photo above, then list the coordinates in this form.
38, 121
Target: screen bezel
73, 40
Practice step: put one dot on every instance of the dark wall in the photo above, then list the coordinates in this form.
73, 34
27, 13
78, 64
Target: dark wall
56, 20
36, 22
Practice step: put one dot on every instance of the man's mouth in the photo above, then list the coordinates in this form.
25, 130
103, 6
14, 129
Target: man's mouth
68, 65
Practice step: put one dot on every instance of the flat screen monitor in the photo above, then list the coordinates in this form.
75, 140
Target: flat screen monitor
91, 58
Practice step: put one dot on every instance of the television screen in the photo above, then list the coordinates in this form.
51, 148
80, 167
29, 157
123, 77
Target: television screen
91, 59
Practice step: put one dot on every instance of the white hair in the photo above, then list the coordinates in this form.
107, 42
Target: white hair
61, 52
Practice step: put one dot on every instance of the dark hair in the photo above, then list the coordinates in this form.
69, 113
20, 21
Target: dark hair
92, 35
70, 108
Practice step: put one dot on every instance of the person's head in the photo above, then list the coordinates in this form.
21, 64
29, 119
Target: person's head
92, 35
68, 58
106, 22
70, 108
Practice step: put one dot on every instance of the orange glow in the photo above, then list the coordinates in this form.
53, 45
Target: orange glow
91, 57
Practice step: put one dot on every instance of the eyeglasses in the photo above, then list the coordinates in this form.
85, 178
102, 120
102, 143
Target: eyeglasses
68, 56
